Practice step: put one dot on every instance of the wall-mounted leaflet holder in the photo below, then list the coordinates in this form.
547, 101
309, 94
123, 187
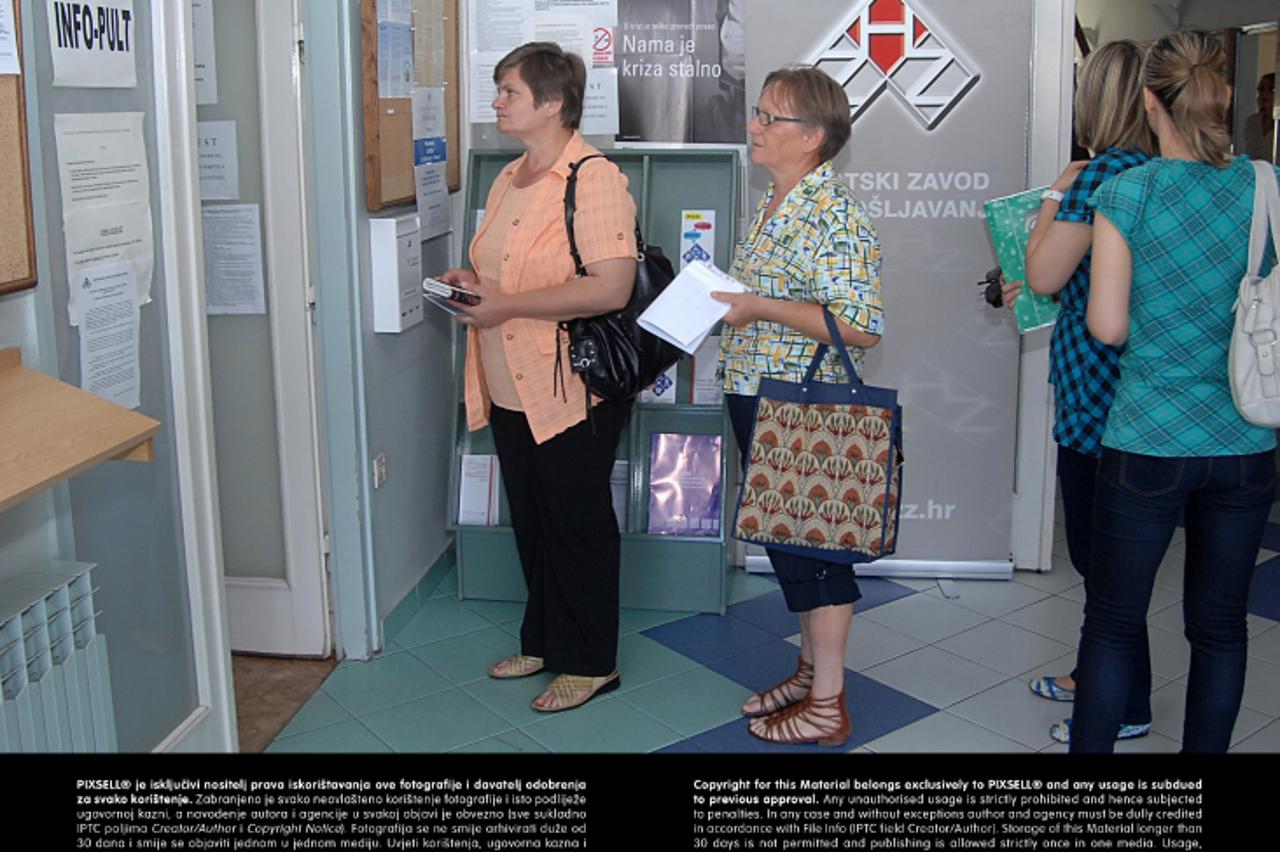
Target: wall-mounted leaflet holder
395, 253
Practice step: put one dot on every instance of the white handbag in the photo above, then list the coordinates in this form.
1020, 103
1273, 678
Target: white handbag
1254, 359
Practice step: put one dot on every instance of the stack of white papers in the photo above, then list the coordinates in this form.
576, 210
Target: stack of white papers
684, 313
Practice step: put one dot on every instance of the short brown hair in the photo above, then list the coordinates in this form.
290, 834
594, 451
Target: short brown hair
1185, 71
1109, 100
552, 74
812, 95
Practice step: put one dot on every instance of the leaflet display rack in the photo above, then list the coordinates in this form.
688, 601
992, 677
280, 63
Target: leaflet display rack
665, 572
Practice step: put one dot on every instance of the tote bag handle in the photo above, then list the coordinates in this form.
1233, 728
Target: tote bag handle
821, 352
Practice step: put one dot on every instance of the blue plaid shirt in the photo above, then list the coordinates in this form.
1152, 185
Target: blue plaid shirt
1083, 371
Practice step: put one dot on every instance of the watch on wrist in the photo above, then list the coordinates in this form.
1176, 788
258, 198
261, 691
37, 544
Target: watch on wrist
1051, 195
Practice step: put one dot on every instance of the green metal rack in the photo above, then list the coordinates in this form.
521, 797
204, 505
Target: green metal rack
665, 572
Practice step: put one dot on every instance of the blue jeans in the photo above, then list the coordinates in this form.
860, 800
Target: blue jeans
1077, 478
1226, 500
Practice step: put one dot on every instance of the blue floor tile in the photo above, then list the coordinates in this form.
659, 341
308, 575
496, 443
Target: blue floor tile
877, 591
682, 747
874, 709
706, 637
768, 612
1264, 594
761, 666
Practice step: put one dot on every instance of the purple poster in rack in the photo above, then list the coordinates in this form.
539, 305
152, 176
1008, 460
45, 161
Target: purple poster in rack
684, 484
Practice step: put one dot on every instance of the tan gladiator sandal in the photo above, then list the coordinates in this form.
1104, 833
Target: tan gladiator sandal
826, 718
791, 691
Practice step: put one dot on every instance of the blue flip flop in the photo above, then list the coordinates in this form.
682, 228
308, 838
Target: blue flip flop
1047, 687
1061, 731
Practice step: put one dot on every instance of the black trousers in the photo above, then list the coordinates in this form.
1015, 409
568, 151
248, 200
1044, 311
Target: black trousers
567, 536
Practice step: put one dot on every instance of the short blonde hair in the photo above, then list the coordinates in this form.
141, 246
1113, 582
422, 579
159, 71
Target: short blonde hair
1109, 100
1185, 71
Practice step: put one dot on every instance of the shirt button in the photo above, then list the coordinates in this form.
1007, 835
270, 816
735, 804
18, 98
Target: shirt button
511, 337
515, 222
519, 377
506, 257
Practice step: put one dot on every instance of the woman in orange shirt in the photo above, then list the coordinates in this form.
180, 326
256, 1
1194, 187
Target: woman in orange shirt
555, 464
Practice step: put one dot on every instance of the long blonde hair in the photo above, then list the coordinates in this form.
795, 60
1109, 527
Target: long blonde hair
1109, 100
1185, 71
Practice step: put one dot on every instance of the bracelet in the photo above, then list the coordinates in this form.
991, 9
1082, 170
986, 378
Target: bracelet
1051, 195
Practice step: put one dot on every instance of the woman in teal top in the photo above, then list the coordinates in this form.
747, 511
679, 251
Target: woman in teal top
1170, 245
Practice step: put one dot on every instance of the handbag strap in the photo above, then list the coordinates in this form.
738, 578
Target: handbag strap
570, 207
821, 352
1266, 205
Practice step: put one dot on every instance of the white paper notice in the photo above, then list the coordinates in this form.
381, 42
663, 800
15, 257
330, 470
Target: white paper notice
430, 154
600, 106
9, 63
206, 55
102, 159
219, 161
93, 44
109, 334
497, 27
708, 389
233, 259
697, 236
115, 234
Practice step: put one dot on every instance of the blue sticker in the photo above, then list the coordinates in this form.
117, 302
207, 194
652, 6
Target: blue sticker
695, 252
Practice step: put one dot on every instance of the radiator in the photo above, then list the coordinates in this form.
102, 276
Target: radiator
55, 689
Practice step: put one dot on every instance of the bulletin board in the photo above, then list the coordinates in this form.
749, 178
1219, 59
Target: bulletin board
17, 229
388, 122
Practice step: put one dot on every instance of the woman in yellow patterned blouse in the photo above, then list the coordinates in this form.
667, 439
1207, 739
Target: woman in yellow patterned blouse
810, 247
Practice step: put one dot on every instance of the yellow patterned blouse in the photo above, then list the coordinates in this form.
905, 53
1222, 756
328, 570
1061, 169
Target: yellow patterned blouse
819, 246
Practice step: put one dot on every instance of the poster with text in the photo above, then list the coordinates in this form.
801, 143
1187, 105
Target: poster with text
93, 44
681, 71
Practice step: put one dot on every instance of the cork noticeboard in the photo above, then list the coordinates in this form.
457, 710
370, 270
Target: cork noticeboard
17, 229
388, 122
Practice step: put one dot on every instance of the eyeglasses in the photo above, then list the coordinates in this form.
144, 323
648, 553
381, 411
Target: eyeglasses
766, 118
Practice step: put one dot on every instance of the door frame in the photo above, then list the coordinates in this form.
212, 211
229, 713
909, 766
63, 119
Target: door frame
291, 615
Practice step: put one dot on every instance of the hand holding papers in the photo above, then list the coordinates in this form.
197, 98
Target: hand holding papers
684, 313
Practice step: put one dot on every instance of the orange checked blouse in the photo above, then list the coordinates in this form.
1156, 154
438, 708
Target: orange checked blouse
521, 246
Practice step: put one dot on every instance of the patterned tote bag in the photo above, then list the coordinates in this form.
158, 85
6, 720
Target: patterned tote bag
824, 475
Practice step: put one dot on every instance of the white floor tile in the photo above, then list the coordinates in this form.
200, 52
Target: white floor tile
1264, 555
943, 732
1257, 625
992, 598
915, 583
1266, 645
1169, 574
925, 617
1057, 618
1056, 667
1170, 653
1267, 740
934, 676
1073, 593
1005, 648
1011, 710
1062, 576
1152, 743
870, 644
1168, 708
1262, 687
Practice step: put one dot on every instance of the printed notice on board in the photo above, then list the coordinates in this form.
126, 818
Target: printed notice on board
9, 63
430, 154
102, 159
93, 44
117, 233
109, 333
206, 58
219, 161
233, 260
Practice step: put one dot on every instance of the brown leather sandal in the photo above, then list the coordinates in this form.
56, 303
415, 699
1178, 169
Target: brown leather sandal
791, 691
825, 718
572, 691
517, 665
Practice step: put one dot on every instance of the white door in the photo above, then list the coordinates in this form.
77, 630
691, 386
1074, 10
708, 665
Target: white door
260, 341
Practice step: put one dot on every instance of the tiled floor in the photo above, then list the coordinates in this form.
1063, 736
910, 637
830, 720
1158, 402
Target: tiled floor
924, 673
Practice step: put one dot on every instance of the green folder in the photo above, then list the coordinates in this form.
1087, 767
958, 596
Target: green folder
1010, 220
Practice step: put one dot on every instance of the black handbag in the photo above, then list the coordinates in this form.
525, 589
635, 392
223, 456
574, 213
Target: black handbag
615, 357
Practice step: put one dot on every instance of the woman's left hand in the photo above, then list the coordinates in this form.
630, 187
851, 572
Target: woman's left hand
494, 308
744, 308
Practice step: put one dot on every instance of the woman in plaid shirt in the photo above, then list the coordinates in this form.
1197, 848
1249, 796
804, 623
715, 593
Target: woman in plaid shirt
1109, 121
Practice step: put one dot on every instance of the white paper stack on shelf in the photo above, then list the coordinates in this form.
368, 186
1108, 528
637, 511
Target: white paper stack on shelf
684, 313
478, 491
